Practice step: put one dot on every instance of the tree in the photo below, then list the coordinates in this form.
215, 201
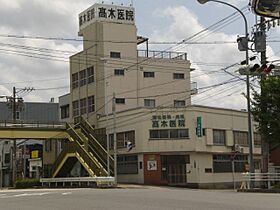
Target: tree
266, 109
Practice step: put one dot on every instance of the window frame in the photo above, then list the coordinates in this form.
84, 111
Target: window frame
119, 72
120, 100
178, 76
172, 134
83, 78
177, 103
219, 142
149, 74
115, 54
90, 74
147, 103
75, 80
65, 111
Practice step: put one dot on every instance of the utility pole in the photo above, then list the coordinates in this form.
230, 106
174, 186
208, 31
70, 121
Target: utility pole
115, 138
264, 144
15, 141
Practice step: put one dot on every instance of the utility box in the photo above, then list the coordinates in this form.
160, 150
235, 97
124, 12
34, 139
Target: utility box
242, 43
260, 41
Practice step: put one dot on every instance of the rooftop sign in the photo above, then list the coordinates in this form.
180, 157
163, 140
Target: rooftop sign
109, 13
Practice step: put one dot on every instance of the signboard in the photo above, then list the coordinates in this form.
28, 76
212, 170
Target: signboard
34, 154
199, 126
110, 13
166, 120
151, 165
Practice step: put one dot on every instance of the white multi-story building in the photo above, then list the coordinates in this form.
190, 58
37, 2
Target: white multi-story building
173, 141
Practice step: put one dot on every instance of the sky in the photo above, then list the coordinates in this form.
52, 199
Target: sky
42, 64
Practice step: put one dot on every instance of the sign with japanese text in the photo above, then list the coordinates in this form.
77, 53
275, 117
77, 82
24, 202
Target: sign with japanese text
199, 126
171, 121
110, 13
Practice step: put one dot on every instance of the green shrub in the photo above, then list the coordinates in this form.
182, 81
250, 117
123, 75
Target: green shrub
277, 186
27, 183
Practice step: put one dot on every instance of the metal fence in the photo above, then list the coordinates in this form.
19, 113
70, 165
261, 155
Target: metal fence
162, 54
259, 180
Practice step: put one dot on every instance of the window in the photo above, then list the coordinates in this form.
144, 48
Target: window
179, 103
178, 76
119, 72
83, 106
127, 164
120, 101
91, 107
75, 105
17, 115
83, 77
122, 139
149, 74
222, 163
240, 137
115, 54
75, 80
149, 103
7, 158
219, 137
168, 134
257, 139
90, 74
64, 111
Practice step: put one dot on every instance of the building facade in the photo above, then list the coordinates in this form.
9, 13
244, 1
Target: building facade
144, 97
26, 112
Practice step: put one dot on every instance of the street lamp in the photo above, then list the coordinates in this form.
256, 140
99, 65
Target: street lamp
247, 81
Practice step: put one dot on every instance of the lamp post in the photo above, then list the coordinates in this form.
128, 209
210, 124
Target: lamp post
250, 137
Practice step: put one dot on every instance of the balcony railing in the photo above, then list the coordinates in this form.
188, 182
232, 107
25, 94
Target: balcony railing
162, 54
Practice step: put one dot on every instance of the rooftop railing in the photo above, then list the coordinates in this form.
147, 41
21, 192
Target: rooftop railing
162, 54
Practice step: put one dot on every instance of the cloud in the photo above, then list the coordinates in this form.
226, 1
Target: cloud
22, 67
206, 58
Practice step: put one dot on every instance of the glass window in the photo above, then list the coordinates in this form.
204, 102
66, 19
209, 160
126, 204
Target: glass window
179, 103
178, 76
90, 74
120, 101
83, 77
115, 54
163, 134
240, 137
219, 137
169, 134
183, 133
123, 138
75, 107
91, 107
83, 106
154, 134
150, 103
75, 80
119, 72
64, 111
127, 164
149, 74
174, 134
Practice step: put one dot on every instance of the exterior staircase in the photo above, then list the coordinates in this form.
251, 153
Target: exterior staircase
83, 146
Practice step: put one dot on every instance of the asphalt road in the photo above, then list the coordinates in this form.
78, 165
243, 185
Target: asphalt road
132, 198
